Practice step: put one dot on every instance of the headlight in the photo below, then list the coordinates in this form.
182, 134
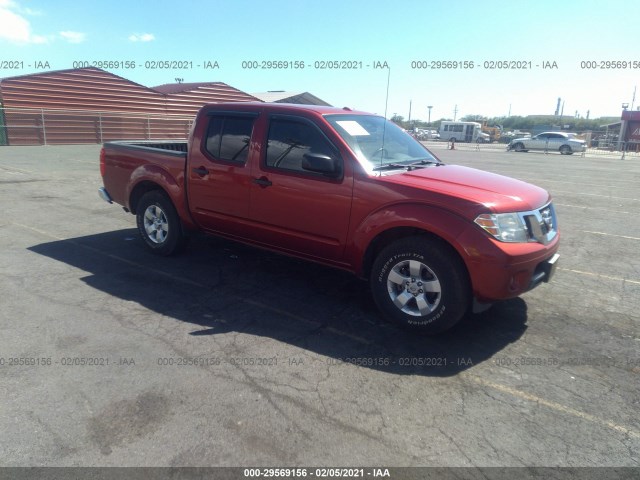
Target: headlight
506, 227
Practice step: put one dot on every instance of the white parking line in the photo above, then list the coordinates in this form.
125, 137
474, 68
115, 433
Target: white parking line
597, 195
574, 178
592, 208
15, 170
554, 405
599, 185
611, 235
599, 275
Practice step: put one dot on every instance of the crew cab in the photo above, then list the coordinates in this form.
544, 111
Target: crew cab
346, 189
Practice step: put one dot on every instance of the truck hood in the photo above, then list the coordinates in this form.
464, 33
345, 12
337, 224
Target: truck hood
454, 185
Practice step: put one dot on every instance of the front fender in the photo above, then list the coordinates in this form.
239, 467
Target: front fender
435, 220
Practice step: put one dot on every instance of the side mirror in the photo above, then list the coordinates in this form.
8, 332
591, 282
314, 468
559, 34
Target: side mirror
320, 163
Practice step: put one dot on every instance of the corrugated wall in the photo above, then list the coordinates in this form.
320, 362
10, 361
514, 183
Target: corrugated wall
190, 101
83, 88
90, 105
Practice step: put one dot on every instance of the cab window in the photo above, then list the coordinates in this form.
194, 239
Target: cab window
228, 137
289, 140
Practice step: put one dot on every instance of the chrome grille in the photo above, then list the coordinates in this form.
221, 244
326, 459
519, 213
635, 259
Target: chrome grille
541, 224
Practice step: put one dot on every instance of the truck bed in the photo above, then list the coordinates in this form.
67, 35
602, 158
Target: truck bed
164, 145
124, 160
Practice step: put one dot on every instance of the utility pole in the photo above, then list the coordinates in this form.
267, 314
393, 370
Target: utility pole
409, 112
455, 113
429, 107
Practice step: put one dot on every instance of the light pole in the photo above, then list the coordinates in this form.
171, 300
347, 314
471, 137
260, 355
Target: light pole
623, 127
429, 107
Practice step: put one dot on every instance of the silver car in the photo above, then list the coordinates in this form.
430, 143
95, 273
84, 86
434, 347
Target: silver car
561, 142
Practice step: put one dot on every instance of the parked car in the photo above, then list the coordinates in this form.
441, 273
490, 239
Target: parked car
423, 134
430, 134
561, 142
346, 189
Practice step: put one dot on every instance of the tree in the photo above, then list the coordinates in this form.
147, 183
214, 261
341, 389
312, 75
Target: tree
473, 118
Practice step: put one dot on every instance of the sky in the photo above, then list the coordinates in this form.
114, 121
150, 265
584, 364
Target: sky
400, 57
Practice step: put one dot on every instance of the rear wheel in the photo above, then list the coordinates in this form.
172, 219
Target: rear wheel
158, 224
420, 284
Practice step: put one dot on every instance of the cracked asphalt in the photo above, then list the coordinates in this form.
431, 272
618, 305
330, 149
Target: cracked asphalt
232, 356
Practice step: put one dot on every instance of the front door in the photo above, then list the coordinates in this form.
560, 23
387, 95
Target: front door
293, 208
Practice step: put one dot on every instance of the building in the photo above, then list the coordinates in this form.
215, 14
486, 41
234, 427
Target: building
630, 129
187, 98
280, 96
91, 105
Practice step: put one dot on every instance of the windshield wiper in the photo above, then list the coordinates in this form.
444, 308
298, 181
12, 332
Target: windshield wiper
407, 166
391, 166
427, 162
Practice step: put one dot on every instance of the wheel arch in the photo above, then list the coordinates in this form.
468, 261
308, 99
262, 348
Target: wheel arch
171, 189
140, 189
450, 300
391, 235
566, 149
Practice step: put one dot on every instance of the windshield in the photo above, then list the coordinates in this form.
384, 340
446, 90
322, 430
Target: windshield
378, 142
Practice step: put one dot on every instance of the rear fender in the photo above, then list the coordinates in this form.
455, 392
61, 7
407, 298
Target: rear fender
150, 177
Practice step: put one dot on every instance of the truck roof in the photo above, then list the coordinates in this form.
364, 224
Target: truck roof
283, 107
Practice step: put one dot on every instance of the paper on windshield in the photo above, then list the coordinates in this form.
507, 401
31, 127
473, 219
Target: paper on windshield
353, 128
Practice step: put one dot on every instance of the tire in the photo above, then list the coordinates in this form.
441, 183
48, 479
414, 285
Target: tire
403, 273
519, 147
565, 150
159, 224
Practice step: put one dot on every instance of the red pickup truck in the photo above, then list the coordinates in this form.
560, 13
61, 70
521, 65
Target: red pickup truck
347, 189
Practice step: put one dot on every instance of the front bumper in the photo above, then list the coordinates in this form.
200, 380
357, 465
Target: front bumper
500, 270
544, 271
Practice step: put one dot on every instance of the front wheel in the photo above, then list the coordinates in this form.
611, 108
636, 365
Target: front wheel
519, 147
159, 224
421, 285
565, 150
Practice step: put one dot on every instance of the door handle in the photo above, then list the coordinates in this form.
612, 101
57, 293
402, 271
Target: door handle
200, 171
263, 182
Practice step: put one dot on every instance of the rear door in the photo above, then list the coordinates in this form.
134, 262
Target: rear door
295, 209
219, 172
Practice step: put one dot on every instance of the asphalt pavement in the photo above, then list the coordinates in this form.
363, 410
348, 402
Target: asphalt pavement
231, 356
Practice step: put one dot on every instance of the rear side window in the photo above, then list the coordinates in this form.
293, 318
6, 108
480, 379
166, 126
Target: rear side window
289, 140
228, 138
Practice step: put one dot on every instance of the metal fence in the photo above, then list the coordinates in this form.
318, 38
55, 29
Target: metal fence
24, 126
